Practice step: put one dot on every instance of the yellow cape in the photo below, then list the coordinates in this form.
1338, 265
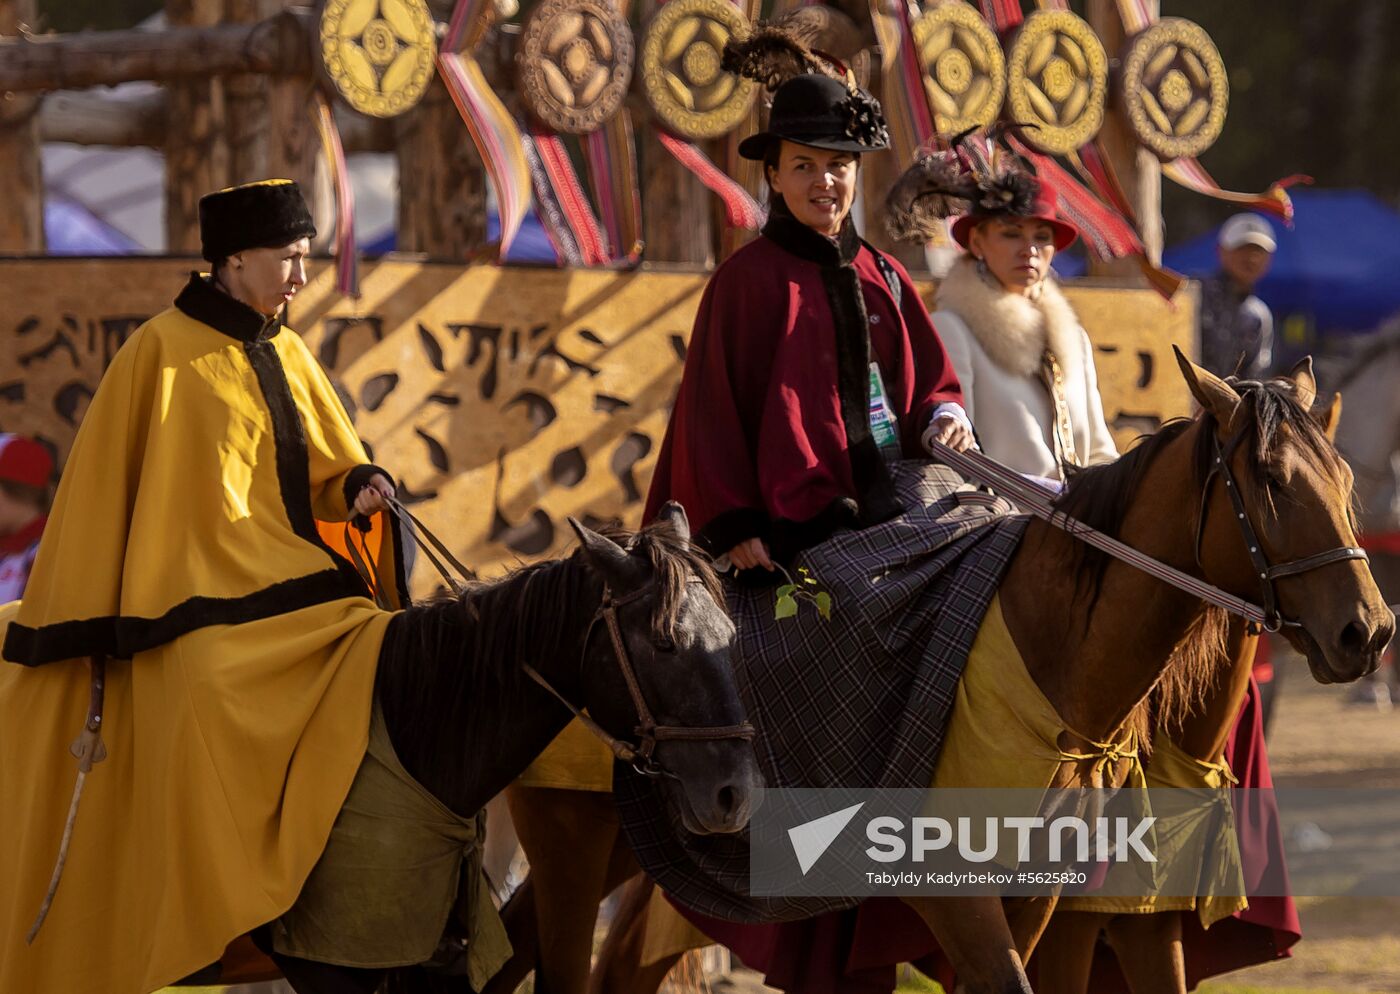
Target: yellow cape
184, 537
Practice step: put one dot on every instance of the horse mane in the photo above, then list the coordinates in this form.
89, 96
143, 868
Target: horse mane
1100, 496
448, 657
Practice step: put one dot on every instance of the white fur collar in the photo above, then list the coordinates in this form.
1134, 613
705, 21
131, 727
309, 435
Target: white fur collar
1013, 330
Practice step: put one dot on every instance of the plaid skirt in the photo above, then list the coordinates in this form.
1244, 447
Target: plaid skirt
861, 700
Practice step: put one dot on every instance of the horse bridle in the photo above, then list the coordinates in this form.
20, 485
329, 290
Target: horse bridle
1268, 574
641, 753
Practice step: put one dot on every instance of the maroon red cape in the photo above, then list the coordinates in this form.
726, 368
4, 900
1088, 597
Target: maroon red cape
770, 434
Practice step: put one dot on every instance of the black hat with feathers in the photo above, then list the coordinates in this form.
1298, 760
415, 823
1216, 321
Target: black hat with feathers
973, 181
816, 101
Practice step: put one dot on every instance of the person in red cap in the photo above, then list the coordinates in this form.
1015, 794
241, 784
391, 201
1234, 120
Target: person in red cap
26, 469
1025, 364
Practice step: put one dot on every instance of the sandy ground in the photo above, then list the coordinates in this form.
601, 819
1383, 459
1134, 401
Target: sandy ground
1321, 735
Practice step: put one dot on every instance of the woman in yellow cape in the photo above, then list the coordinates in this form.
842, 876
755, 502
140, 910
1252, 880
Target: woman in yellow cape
184, 545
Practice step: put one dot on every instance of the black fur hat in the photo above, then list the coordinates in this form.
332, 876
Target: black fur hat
265, 214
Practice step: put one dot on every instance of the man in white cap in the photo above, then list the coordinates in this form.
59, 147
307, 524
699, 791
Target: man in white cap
1237, 329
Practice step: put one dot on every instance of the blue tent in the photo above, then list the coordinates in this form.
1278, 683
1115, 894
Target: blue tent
531, 245
72, 229
1335, 271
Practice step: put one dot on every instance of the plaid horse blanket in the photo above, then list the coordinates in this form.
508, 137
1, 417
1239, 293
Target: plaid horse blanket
861, 700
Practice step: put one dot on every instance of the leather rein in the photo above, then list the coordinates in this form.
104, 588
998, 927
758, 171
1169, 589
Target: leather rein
640, 753
1039, 501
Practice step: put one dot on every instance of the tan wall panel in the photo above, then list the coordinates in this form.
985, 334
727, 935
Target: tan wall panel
503, 399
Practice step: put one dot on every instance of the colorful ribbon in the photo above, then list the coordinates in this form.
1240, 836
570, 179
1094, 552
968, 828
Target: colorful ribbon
573, 202
740, 208
493, 131
347, 275
611, 152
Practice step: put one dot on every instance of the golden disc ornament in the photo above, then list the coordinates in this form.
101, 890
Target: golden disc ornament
963, 67
681, 73
1057, 80
575, 62
378, 53
1175, 88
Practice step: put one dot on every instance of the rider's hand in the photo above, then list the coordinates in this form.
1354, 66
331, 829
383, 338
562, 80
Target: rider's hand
952, 432
750, 553
370, 499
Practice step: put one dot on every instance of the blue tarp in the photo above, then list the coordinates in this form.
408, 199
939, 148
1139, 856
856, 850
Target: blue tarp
72, 229
531, 243
1334, 272
1336, 268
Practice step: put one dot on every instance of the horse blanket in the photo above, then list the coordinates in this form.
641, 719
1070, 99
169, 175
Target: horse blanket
861, 700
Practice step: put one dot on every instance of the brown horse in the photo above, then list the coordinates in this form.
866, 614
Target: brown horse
1070, 612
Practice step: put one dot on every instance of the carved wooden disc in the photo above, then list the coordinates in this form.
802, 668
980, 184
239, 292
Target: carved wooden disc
378, 53
1175, 88
575, 62
681, 72
1057, 80
963, 67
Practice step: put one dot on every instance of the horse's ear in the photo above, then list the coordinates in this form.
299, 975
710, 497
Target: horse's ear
1211, 392
602, 553
1304, 382
1332, 417
674, 515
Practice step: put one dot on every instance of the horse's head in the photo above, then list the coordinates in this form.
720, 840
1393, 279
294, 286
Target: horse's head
1286, 534
677, 637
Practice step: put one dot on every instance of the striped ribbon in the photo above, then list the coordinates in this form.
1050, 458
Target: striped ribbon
1039, 501
907, 110
493, 131
347, 269
740, 208
561, 236
1002, 14
573, 202
1275, 200
611, 152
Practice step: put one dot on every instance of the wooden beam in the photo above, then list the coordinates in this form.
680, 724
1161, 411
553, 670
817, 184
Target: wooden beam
94, 117
280, 45
22, 221
1138, 169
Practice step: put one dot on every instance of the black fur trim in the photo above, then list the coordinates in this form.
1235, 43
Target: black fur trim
728, 529
289, 440
357, 479
123, 636
207, 304
874, 491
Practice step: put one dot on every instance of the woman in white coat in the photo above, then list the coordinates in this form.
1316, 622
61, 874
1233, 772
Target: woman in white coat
1024, 362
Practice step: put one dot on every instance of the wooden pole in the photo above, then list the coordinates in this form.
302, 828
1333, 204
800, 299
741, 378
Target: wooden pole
1137, 168
676, 216
22, 223
187, 49
442, 182
93, 117
196, 138
270, 129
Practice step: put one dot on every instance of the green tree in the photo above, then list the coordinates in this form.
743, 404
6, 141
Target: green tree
94, 15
